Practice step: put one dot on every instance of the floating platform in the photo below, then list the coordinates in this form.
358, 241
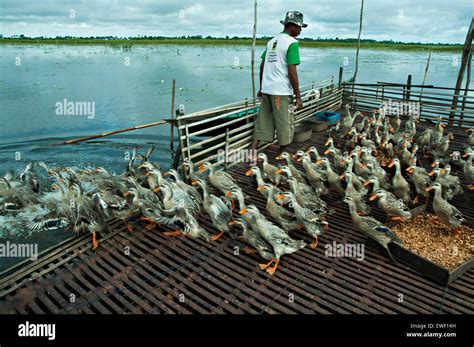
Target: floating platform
145, 272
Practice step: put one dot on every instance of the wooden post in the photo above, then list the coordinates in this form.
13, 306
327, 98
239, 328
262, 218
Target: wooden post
407, 96
254, 40
173, 95
465, 55
341, 72
468, 81
358, 43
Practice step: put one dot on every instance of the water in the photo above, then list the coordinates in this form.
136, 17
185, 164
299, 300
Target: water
132, 85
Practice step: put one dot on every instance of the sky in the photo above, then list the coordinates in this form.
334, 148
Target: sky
445, 21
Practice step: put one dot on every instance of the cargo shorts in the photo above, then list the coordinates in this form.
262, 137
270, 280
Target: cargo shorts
275, 115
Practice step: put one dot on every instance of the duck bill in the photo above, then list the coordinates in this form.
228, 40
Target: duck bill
194, 183
157, 190
126, 194
228, 194
433, 164
443, 171
232, 222
366, 183
465, 155
279, 157
319, 162
342, 177
248, 173
166, 173
409, 170
443, 125
202, 168
299, 159
244, 211
327, 151
328, 141
373, 197
278, 171
260, 188
280, 197
427, 189
431, 173
391, 164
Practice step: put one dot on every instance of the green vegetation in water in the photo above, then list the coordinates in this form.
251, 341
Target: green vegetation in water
199, 40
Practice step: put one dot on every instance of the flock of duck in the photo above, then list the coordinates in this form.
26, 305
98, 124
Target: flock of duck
358, 168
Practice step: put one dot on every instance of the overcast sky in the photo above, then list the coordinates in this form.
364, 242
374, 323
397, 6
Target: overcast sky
401, 20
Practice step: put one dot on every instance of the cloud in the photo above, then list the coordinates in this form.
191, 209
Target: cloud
402, 20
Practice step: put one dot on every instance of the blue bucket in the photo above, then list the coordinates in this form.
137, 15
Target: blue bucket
327, 116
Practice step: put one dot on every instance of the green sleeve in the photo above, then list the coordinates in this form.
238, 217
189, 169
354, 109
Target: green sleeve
293, 55
264, 53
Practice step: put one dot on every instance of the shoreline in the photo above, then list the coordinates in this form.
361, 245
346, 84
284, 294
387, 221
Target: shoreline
231, 42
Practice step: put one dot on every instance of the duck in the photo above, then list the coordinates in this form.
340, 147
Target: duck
361, 206
236, 195
393, 207
257, 242
447, 213
332, 177
218, 210
470, 140
188, 189
311, 222
221, 180
269, 169
309, 200
284, 218
299, 175
314, 175
255, 171
313, 151
372, 228
304, 187
279, 240
420, 179
400, 185
188, 167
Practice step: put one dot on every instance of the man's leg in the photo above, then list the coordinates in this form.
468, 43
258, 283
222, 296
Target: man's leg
264, 126
284, 121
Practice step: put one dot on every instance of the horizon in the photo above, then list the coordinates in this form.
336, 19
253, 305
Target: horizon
401, 21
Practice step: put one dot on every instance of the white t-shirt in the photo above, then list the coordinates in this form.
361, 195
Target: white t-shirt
275, 80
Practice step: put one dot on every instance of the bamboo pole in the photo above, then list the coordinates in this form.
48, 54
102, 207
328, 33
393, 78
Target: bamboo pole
173, 95
254, 40
424, 76
358, 41
465, 55
466, 87
137, 127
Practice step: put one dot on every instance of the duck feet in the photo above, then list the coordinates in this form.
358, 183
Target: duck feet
249, 250
314, 244
217, 236
272, 270
264, 266
457, 231
95, 244
173, 233
128, 225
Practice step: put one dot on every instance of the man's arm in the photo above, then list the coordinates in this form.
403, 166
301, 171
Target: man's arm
293, 75
262, 64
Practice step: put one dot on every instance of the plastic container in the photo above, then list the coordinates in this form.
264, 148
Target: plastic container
328, 116
303, 132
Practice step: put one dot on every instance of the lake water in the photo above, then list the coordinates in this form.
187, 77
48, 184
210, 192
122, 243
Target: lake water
132, 85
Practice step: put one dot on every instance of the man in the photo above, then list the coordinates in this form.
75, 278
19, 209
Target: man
278, 83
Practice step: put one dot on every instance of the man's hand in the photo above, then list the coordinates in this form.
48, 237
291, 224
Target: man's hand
259, 94
299, 103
